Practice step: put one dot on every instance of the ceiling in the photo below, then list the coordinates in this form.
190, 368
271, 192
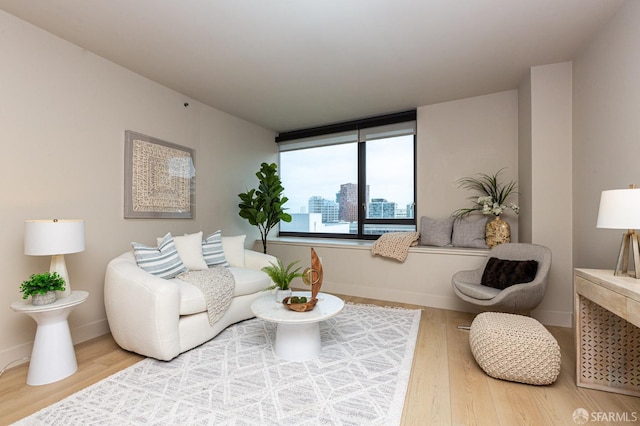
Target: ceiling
291, 64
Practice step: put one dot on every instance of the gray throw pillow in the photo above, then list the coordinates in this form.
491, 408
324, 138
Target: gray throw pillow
435, 232
470, 232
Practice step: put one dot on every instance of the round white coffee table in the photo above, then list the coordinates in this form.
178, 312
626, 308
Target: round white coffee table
298, 333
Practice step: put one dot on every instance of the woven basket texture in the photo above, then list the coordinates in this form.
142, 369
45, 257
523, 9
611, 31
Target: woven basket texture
515, 348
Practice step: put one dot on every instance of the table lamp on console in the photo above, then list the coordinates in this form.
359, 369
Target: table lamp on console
620, 209
55, 238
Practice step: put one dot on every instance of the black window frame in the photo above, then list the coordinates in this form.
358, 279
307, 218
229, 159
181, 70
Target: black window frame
357, 125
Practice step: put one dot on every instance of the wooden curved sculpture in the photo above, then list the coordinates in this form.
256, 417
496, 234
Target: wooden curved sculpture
312, 277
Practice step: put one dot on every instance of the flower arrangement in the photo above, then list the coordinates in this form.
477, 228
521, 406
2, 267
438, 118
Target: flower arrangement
493, 198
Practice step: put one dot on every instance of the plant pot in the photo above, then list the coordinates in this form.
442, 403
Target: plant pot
282, 294
43, 299
497, 232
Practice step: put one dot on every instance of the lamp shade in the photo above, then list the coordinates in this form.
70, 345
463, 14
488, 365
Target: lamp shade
52, 237
619, 209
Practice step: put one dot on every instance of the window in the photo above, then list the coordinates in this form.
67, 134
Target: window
350, 180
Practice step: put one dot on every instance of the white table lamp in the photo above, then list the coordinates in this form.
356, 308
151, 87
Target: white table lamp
54, 238
620, 209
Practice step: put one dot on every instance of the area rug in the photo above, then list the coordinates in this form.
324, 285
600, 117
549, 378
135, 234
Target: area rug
360, 378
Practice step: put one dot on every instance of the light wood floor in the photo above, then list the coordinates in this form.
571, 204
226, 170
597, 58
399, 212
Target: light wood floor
446, 387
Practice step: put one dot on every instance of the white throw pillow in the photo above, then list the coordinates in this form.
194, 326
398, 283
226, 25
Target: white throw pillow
163, 261
189, 248
234, 249
212, 250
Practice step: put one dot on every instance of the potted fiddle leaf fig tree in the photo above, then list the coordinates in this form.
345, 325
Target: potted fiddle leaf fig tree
42, 287
262, 207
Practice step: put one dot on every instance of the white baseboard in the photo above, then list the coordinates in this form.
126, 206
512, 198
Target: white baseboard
15, 354
78, 334
89, 331
561, 319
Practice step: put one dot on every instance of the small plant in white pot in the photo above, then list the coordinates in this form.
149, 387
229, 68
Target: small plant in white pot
42, 287
282, 276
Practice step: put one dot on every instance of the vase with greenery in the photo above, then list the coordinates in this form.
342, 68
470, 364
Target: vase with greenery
282, 276
491, 200
492, 197
262, 207
42, 287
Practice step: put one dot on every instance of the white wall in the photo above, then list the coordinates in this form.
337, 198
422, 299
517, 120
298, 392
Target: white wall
463, 138
524, 159
545, 154
63, 113
606, 128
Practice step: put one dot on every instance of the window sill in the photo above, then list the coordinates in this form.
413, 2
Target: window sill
366, 245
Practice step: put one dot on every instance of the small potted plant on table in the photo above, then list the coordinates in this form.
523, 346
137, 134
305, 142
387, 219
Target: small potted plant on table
282, 276
42, 287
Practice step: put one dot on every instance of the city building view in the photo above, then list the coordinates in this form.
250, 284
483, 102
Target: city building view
340, 216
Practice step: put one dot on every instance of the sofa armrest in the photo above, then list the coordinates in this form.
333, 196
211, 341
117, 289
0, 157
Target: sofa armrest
256, 260
143, 310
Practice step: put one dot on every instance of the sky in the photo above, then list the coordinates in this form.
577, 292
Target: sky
321, 171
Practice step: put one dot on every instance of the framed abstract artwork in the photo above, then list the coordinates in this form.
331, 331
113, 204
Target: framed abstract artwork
159, 179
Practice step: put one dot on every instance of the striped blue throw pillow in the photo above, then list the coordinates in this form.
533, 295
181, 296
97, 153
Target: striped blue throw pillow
162, 261
212, 250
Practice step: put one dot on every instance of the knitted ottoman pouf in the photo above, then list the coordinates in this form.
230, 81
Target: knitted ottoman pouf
515, 348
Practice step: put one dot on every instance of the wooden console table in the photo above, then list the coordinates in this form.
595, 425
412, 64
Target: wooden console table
607, 330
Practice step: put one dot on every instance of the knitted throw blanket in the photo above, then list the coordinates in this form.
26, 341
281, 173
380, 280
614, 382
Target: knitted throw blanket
217, 285
395, 245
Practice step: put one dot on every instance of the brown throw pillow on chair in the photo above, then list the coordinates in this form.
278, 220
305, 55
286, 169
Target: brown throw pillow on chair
501, 273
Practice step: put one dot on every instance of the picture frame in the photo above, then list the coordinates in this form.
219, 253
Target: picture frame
159, 179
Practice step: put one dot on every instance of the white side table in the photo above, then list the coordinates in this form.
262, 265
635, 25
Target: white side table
53, 357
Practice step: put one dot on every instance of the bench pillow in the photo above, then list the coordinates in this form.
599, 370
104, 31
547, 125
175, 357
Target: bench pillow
435, 232
469, 233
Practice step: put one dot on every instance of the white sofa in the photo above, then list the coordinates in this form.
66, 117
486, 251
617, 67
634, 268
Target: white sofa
162, 318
